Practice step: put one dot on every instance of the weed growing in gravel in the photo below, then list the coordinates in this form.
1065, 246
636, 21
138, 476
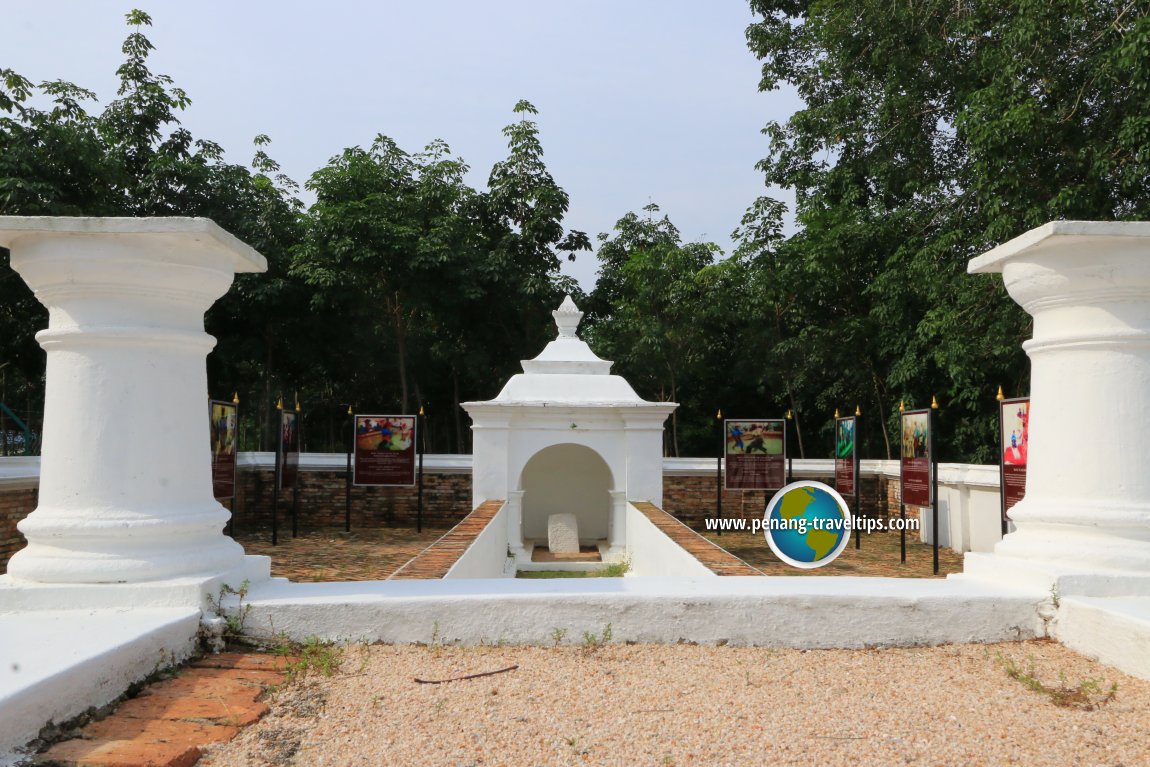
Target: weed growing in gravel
592, 642
313, 654
1087, 695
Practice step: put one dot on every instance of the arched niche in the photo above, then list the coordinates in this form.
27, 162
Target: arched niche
567, 478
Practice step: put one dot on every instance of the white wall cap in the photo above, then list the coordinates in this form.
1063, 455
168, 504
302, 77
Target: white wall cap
993, 260
245, 258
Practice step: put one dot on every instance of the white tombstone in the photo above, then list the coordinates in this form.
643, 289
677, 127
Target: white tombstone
1086, 513
563, 533
125, 477
566, 436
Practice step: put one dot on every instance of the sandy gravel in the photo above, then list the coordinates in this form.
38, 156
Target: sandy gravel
690, 705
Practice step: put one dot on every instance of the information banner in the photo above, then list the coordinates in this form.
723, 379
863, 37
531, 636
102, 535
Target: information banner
385, 450
1014, 421
224, 419
289, 448
914, 477
756, 454
846, 455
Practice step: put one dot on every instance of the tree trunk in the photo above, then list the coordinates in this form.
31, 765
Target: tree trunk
400, 351
798, 427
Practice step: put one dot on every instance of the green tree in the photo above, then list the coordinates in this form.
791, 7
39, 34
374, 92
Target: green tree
932, 131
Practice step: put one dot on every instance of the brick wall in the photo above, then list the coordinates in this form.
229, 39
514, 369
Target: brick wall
691, 498
15, 504
322, 501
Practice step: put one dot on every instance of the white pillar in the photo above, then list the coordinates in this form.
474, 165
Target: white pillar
1087, 286
125, 478
617, 524
515, 526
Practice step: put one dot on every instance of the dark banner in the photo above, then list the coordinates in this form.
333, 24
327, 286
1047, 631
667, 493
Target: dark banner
385, 450
1014, 419
224, 421
846, 455
756, 454
914, 477
289, 448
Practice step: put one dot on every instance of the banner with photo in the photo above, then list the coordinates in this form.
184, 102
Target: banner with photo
915, 464
224, 420
385, 453
846, 455
288, 447
1014, 423
755, 454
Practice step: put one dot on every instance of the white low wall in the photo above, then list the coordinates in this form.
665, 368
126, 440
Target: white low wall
486, 557
652, 552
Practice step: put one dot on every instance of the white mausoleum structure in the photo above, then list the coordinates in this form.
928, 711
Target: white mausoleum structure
566, 436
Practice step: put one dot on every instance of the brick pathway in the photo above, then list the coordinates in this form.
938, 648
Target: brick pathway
438, 558
715, 559
333, 555
169, 722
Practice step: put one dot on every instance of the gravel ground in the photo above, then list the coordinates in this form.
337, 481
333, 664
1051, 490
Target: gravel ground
693, 705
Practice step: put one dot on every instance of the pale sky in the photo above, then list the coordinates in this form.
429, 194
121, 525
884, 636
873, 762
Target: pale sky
640, 100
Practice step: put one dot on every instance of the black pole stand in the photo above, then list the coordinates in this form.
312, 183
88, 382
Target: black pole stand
719, 471
858, 476
786, 451
419, 478
347, 474
295, 478
934, 477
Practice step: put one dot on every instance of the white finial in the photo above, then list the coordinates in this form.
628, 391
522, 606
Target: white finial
567, 318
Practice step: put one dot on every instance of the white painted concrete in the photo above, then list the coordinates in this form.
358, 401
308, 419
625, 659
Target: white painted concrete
126, 492
769, 611
1114, 630
487, 556
56, 664
651, 552
567, 479
1087, 286
567, 396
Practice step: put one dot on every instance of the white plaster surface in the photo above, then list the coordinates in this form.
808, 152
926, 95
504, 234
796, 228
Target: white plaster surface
1087, 286
56, 664
486, 557
771, 611
125, 466
1114, 630
563, 533
651, 552
567, 397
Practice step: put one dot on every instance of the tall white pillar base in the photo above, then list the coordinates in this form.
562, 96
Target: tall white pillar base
617, 527
125, 480
1084, 524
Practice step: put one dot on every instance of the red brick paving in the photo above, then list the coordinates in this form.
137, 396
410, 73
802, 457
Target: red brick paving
717, 560
170, 721
438, 558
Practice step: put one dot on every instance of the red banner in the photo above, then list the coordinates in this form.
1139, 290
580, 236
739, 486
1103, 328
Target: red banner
385, 450
1014, 422
755, 454
224, 420
914, 478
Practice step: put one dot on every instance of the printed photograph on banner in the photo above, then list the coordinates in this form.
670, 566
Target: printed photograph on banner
1015, 431
914, 467
755, 437
223, 422
385, 453
916, 434
845, 437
